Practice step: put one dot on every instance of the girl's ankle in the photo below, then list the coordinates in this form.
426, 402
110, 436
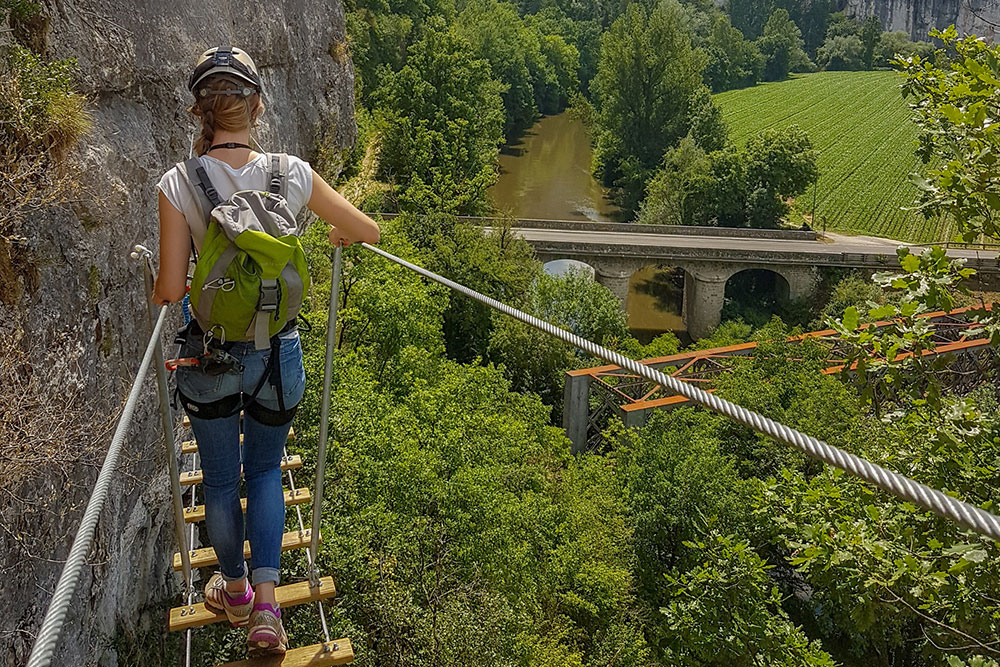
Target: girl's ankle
266, 606
239, 596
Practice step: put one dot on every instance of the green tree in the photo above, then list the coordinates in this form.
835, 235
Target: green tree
440, 119
733, 187
871, 32
584, 35
535, 361
842, 25
781, 45
733, 62
855, 290
727, 611
889, 362
953, 105
675, 480
380, 33
749, 16
897, 44
538, 69
813, 21
842, 53
646, 76
708, 127
677, 191
461, 530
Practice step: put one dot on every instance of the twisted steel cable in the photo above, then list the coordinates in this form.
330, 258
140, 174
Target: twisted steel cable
55, 617
959, 511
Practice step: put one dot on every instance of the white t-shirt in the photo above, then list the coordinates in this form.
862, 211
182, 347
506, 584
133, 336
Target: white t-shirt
227, 180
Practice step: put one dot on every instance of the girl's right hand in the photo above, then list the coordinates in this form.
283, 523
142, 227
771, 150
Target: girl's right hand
336, 238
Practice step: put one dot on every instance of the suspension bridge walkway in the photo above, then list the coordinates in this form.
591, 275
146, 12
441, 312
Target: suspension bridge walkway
192, 614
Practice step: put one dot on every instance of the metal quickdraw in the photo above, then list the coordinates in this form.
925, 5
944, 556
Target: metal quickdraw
214, 360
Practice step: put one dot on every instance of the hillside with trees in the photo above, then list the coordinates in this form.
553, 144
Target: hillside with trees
464, 532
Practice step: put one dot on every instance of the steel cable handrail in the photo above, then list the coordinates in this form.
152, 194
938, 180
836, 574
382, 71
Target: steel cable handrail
957, 510
45, 643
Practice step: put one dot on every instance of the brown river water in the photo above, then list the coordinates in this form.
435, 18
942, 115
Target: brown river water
546, 175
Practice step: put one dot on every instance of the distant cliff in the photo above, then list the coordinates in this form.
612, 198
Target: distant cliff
79, 301
917, 17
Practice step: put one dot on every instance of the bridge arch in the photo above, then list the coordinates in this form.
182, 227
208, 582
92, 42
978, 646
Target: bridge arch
755, 295
559, 267
656, 299
705, 279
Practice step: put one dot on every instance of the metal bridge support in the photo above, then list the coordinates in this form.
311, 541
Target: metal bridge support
576, 410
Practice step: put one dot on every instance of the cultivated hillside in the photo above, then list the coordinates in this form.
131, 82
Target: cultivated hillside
860, 125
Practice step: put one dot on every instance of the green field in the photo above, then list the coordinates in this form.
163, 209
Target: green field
860, 125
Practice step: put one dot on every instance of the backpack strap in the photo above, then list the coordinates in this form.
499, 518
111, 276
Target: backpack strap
267, 307
205, 193
278, 174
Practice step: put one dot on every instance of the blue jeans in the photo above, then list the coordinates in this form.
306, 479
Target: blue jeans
263, 447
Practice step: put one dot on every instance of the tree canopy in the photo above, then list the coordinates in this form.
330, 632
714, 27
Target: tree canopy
646, 76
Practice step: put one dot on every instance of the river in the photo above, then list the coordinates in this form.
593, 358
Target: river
546, 175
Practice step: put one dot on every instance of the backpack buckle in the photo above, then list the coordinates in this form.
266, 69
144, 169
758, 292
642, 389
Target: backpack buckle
270, 294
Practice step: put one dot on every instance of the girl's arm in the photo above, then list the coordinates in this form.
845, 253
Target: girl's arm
175, 249
348, 223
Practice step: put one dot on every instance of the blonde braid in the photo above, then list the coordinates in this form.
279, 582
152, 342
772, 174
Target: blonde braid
227, 112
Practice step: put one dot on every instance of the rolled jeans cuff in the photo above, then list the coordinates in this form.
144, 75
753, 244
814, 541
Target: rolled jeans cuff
263, 575
226, 577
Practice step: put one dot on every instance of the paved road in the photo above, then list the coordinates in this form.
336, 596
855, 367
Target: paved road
834, 243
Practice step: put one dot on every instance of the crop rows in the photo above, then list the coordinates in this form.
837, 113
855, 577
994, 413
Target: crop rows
861, 128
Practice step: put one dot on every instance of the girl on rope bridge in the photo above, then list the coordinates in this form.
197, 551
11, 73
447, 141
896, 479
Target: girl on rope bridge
236, 209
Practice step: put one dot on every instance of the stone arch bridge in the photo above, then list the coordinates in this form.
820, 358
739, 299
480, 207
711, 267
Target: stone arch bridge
710, 256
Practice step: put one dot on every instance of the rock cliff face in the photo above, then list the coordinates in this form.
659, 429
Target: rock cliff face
917, 17
80, 302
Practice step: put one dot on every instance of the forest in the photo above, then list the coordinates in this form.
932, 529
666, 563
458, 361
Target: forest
462, 529
442, 86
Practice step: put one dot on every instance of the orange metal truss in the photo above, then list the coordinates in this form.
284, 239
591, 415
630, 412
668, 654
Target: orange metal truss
631, 393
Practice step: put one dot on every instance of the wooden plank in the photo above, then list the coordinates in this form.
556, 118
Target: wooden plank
191, 446
206, 557
298, 497
289, 595
196, 476
339, 652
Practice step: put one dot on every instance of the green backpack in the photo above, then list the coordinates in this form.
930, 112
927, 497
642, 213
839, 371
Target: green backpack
251, 276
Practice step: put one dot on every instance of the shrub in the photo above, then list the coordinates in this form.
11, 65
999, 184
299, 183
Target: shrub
41, 118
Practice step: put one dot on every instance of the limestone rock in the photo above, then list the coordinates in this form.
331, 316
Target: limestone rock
917, 17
